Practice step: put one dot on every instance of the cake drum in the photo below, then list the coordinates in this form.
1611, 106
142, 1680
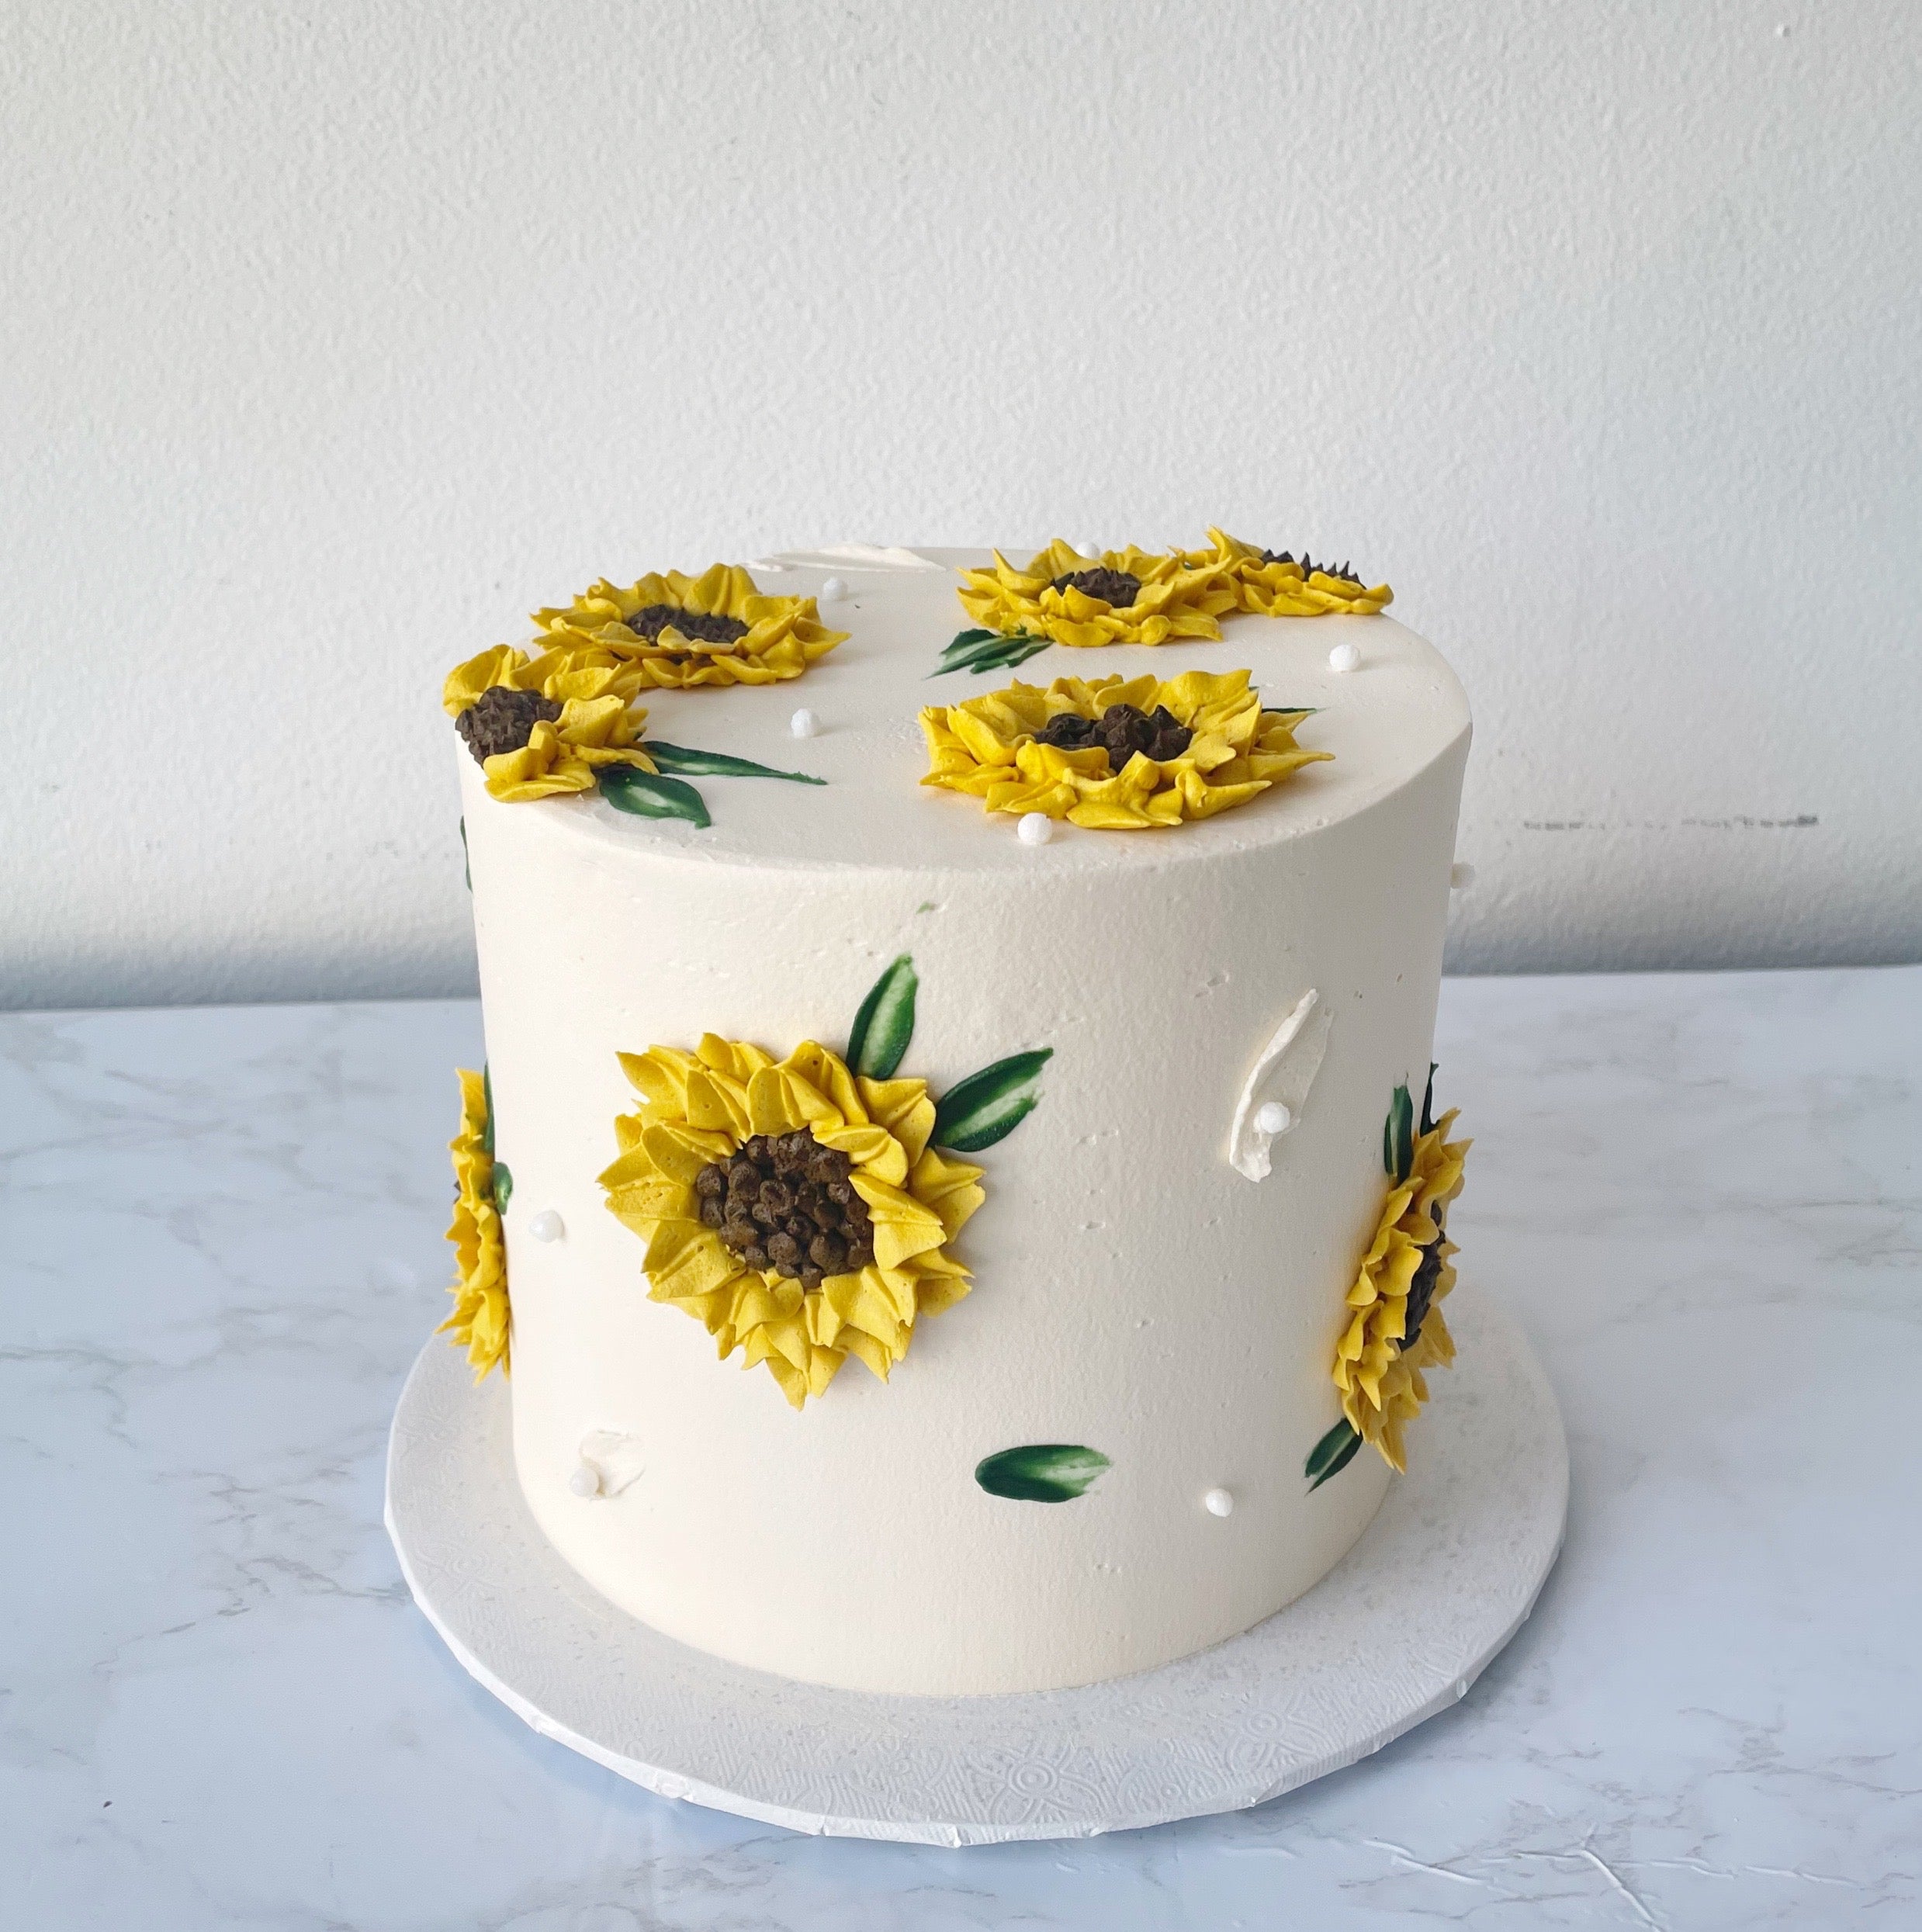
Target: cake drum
1444, 1576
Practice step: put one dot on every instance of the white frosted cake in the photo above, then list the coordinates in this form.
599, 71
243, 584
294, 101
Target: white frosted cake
952, 1183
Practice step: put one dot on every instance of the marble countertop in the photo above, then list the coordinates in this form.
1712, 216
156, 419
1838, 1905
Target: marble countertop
220, 1242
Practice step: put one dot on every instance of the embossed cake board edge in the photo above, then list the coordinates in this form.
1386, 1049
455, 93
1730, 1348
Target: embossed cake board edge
557, 1610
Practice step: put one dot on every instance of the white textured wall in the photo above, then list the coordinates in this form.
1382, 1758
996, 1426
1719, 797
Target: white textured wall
334, 337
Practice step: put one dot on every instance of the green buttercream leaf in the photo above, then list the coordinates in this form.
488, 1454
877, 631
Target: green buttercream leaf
1397, 1137
649, 794
979, 651
1041, 1472
885, 1023
989, 1105
1427, 1100
719, 765
487, 1096
503, 1187
1331, 1455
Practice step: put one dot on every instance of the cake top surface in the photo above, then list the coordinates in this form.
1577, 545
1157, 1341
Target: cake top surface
1384, 721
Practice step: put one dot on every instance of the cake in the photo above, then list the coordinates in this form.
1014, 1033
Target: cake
955, 1188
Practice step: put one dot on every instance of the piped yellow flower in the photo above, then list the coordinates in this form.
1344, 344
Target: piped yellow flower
1197, 745
1121, 597
1273, 584
679, 632
480, 1322
1396, 1330
547, 725
699, 1111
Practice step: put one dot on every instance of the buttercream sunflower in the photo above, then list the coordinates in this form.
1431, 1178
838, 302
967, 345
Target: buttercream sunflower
794, 1208
1121, 597
1117, 754
480, 1322
1274, 583
679, 632
1396, 1330
542, 726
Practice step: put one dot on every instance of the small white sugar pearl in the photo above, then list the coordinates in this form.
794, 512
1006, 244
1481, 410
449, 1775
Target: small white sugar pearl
803, 724
1346, 657
1087, 547
585, 1481
834, 589
1274, 1118
1036, 827
1218, 1502
1460, 874
547, 1226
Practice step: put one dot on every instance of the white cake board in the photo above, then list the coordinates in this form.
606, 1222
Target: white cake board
1398, 1630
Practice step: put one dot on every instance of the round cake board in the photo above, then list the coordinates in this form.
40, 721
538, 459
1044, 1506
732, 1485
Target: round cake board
1440, 1581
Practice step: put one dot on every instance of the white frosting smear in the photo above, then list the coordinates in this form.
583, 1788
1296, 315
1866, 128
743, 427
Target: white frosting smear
615, 1458
848, 556
1258, 1123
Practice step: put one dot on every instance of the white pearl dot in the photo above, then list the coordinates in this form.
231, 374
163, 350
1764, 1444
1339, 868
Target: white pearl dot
1088, 548
834, 589
1274, 1118
547, 1226
1346, 657
1218, 1502
1461, 875
586, 1481
803, 724
1036, 827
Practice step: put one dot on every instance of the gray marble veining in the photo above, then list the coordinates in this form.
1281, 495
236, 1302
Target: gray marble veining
219, 1234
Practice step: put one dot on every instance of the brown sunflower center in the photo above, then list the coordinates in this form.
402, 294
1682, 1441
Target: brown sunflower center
704, 627
1114, 587
1421, 1290
786, 1205
1121, 731
500, 720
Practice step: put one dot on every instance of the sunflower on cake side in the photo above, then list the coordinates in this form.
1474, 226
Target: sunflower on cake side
1395, 1329
479, 1322
802, 1209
